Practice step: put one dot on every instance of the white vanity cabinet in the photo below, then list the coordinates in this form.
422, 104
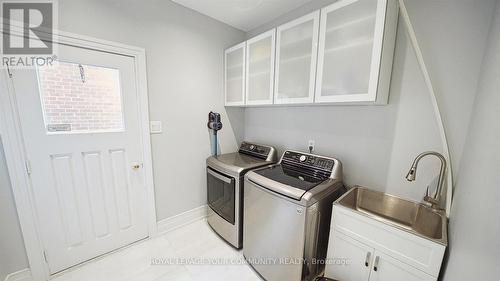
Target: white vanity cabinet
296, 54
350, 259
355, 261
234, 75
364, 249
391, 269
356, 48
260, 68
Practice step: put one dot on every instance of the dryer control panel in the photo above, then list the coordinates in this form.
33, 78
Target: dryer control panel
256, 150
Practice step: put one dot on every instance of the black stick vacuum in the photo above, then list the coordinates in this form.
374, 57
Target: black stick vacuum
214, 124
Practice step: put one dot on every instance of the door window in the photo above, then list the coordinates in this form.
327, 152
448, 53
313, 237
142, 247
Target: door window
80, 98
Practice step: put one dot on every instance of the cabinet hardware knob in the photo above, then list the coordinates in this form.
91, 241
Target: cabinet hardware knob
375, 264
367, 260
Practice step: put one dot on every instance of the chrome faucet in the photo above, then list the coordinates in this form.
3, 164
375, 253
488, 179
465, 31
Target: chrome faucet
434, 201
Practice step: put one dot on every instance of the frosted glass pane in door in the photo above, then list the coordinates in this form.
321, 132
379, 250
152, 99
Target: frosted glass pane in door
295, 61
259, 70
234, 75
348, 49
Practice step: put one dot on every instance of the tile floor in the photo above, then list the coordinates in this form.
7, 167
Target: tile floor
195, 242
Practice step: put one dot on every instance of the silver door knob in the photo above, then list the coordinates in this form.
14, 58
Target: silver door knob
136, 166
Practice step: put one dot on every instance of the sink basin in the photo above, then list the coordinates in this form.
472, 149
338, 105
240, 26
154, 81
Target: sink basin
413, 217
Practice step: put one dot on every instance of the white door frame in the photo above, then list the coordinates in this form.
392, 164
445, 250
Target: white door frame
15, 151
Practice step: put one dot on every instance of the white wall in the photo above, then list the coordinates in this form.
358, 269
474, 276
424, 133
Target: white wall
12, 257
474, 225
184, 63
452, 34
378, 143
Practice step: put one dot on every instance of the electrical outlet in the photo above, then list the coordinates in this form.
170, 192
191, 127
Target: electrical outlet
310, 145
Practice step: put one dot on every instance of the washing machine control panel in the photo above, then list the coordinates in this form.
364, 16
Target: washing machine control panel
307, 160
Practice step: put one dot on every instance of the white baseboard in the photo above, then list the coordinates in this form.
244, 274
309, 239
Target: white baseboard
21, 275
183, 219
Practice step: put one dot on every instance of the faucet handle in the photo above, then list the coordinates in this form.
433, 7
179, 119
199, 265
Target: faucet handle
431, 201
427, 198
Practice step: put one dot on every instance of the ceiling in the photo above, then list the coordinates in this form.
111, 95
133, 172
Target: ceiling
243, 14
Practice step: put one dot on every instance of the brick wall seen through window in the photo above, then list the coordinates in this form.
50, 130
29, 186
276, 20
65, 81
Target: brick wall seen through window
81, 97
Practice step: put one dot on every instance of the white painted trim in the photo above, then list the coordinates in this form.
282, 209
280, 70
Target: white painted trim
21, 188
143, 103
21, 275
15, 152
432, 93
183, 219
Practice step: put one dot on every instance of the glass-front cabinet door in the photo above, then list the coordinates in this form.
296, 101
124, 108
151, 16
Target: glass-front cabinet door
234, 75
260, 69
296, 53
356, 45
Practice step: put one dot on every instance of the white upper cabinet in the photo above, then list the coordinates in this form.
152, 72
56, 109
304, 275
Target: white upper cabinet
356, 47
260, 69
234, 75
344, 58
296, 54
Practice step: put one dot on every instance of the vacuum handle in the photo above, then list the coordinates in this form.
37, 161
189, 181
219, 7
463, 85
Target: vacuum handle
214, 121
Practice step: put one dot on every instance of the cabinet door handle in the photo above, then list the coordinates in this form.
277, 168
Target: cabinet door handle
375, 264
367, 260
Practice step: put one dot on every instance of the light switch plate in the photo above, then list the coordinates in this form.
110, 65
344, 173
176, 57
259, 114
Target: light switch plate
155, 127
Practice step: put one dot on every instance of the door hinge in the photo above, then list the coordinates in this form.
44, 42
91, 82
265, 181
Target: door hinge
28, 167
45, 256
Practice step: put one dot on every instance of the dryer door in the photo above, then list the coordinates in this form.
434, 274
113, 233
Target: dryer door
221, 194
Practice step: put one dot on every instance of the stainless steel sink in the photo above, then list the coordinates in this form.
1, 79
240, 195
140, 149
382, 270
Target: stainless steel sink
413, 217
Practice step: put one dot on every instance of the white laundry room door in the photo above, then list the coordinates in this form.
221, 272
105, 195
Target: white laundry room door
81, 126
